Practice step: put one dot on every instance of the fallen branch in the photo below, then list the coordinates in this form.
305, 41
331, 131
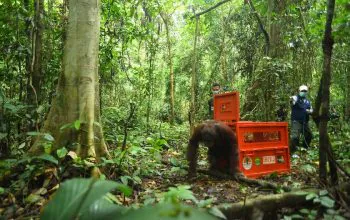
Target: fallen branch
260, 205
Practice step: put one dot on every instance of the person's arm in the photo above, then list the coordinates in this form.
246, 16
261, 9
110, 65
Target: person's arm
309, 109
293, 100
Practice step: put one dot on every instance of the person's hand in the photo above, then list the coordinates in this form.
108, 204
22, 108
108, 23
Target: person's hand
309, 111
291, 100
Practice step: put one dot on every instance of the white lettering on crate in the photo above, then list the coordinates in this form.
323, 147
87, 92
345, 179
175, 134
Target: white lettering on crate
269, 159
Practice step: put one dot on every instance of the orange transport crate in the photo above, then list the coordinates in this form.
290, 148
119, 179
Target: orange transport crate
256, 135
263, 146
226, 107
262, 161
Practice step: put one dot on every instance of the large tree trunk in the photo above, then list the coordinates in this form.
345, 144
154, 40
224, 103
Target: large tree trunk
275, 27
77, 99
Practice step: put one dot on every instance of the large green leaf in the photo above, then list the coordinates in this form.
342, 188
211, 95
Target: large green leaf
327, 202
47, 157
103, 209
76, 197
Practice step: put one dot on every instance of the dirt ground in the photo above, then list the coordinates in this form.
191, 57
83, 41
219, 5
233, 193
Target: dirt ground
225, 191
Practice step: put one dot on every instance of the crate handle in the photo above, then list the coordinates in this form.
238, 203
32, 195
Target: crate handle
249, 154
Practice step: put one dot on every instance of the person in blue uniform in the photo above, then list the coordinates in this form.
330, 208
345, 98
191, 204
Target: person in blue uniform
301, 110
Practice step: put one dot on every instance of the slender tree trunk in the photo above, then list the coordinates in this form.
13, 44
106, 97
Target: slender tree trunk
347, 96
149, 87
19, 60
77, 99
194, 78
29, 40
49, 52
20, 73
171, 73
35, 77
37, 63
327, 46
151, 51
165, 19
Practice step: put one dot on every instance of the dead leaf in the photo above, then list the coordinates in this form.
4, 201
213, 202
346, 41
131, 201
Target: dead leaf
33, 198
175, 153
41, 191
19, 211
73, 155
54, 188
12, 198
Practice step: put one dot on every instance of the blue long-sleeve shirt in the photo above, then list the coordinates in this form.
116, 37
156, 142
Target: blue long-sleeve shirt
301, 108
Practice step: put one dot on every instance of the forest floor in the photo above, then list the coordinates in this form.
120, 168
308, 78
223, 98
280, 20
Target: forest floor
28, 203
227, 191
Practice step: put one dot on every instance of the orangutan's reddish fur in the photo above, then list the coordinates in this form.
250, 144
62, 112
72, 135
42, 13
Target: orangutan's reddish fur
222, 147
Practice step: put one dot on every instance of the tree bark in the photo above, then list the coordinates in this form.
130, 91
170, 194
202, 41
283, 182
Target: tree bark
327, 45
275, 51
194, 78
29, 39
209, 9
165, 19
151, 52
77, 99
263, 204
347, 97
261, 26
35, 76
37, 62
323, 156
28, 56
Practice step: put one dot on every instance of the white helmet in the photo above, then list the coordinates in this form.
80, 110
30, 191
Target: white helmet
303, 87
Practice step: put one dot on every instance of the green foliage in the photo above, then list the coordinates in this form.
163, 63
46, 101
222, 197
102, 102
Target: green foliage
85, 199
28, 170
73, 125
308, 168
176, 194
324, 202
134, 68
61, 153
